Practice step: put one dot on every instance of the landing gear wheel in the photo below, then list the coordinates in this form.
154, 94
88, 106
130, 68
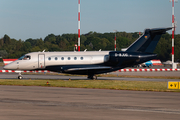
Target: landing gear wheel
93, 77
20, 77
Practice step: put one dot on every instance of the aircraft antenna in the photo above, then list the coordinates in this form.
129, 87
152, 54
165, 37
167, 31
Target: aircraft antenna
173, 30
78, 25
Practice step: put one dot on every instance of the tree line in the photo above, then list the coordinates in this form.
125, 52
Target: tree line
92, 41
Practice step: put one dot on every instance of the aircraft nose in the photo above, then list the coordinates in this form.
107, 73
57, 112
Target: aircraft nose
8, 67
5, 67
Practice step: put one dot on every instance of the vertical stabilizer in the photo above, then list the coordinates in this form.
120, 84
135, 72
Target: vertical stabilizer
148, 41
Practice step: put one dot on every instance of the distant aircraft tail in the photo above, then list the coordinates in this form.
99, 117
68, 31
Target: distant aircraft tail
148, 41
7, 61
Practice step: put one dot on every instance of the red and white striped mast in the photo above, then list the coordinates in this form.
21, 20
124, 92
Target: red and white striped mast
173, 29
78, 25
115, 41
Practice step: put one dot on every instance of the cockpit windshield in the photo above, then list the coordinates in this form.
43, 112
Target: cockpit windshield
25, 57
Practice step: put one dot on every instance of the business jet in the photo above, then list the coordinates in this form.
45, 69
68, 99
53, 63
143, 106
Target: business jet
92, 63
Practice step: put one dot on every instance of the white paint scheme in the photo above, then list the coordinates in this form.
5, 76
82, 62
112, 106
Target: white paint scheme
40, 59
92, 62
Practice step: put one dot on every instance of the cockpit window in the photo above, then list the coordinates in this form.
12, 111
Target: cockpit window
25, 57
21, 57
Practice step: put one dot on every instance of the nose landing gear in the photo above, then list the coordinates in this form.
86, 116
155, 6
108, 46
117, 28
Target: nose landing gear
20, 76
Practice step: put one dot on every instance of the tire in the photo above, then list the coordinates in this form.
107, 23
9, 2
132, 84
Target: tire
20, 77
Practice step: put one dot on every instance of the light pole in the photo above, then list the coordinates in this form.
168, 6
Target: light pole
173, 30
75, 47
78, 25
115, 40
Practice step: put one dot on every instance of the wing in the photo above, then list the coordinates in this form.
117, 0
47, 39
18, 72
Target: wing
88, 68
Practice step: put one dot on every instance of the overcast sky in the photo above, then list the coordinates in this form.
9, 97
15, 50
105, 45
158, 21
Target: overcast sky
23, 19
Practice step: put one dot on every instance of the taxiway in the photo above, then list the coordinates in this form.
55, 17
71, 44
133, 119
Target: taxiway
27, 102
63, 77
45, 103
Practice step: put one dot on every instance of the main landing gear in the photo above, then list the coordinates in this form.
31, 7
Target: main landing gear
93, 77
20, 76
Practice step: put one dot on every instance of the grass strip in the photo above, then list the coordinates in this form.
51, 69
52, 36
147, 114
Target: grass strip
94, 84
108, 75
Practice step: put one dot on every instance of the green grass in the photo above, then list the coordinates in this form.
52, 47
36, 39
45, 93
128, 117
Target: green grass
94, 84
109, 75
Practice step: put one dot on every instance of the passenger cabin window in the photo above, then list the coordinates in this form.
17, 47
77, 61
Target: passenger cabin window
49, 58
56, 58
69, 58
75, 58
81, 58
62, 58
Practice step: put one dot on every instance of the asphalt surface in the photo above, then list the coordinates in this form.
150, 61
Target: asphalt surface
61, 77
57, 77
47, 103
160, 73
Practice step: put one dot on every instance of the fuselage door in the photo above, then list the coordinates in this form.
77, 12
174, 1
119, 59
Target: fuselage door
41, 61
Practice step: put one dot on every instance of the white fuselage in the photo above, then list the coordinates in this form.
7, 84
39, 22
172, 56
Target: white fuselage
39, 60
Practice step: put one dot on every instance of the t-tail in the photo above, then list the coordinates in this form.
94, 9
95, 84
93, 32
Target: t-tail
148, 41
